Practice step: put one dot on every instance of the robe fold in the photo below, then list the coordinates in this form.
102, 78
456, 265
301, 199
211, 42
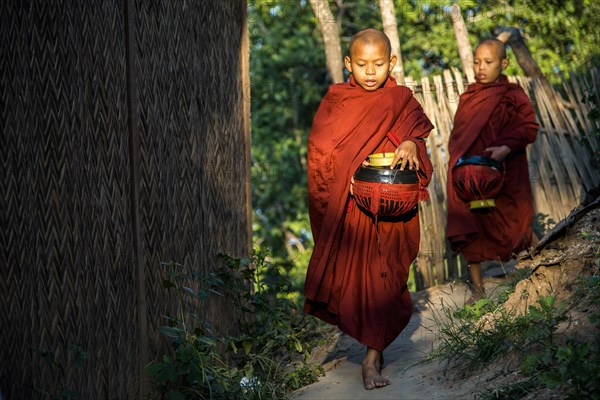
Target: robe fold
357, 273
488, 115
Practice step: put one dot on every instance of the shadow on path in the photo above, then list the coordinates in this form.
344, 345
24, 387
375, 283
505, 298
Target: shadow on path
410, 378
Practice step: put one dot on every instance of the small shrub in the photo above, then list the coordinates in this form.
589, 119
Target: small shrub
572, 366
266, 360
58, 371
482, 332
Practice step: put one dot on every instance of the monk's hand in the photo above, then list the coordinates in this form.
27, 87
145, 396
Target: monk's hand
407, 152
352, 186
498, 153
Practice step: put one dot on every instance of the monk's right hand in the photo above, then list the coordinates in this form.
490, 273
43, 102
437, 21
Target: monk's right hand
498, 153
352, 186
408, 153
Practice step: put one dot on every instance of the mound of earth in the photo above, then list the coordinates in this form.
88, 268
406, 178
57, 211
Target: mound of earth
560, 266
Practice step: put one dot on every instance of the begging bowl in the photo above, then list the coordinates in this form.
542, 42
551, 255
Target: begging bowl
381, 191
478, 180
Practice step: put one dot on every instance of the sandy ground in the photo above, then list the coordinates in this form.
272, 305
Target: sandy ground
411, 379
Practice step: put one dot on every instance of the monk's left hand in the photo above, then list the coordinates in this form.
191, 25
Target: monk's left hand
498, 153
407, 152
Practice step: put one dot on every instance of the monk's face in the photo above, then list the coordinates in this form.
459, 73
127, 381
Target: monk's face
488, 63
370, 64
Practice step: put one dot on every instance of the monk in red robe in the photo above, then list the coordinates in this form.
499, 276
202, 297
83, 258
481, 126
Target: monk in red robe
357, 275
494, 119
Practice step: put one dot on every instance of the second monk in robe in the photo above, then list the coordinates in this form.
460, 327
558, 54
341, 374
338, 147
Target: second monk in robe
494, 119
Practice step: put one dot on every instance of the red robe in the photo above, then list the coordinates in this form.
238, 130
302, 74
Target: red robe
493, 115
357, 274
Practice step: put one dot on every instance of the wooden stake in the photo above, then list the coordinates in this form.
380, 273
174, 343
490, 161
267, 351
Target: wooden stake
465, 50
390, 27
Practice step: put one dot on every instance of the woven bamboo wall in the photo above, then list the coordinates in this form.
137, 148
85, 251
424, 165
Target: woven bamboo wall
560, 165
124, 143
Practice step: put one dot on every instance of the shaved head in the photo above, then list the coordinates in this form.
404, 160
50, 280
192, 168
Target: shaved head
370, 36
498, 44
369, 59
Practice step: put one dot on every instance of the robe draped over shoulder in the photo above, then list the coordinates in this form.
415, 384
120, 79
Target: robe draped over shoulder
357, 273
493, 115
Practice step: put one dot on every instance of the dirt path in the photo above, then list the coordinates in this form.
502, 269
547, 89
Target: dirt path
410, 380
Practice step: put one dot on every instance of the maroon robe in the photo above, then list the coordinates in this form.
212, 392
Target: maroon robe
358, 271
488, 115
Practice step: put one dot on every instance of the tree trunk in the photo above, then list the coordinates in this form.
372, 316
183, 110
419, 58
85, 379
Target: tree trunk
513, 37
465, 51
390, 27
331, 39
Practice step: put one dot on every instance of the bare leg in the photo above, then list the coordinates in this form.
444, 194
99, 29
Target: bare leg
371, 370
477, 282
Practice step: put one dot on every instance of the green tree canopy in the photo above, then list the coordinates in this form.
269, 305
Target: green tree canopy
289, 77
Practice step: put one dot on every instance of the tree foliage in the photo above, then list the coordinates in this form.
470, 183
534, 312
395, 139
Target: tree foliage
289, 77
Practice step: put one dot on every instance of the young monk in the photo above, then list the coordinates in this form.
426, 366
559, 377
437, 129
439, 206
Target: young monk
494, 119
356, 279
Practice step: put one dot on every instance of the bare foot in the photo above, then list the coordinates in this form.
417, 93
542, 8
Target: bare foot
371, 370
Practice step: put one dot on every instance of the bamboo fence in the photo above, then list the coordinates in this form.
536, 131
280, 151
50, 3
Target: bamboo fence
125, 143
561, 165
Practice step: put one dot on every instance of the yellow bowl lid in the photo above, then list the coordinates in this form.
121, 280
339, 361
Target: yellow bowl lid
382, 159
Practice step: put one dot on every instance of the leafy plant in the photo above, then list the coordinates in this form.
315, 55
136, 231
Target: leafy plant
266, 359
58, 390
544, 319
479, 333
572, 365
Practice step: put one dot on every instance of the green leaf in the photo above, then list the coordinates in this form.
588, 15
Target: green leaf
189, 290
154, 369
202, 294
551, 379
186, 353
168, 284
194, 375
247, 345
48, 357
298, 346
208, 341
80, 355
170, 331
169, 373
233, 346
536, 313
